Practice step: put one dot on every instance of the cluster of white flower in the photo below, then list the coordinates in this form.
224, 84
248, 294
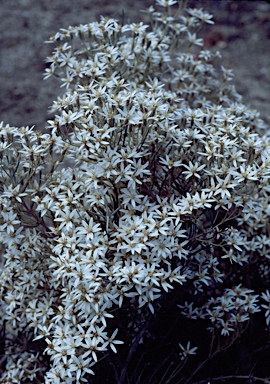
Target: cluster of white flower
227, 312
153, 175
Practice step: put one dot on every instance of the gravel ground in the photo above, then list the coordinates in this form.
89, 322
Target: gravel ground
241, 34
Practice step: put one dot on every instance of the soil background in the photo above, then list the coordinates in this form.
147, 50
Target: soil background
241, 33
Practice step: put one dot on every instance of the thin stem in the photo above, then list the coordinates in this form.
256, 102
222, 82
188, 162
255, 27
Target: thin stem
158, 368
132, 351
211, 356
176, 371
249, 377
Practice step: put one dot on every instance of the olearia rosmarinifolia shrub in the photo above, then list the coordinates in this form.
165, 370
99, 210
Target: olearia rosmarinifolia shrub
153, 176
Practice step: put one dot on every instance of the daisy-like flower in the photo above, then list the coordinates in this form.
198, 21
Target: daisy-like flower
65, 218
226, 327
111, 342
88, 228
170, 163
246, 173
223, 186
10, 220
81, 366
166, 3
187, 351
193, 170
14, 192
201, 14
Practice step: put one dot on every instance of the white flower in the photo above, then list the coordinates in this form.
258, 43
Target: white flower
166, 3
170, 163
9, 222
88, 228
4, 146
129, 196
223, 186
201, 14
14, 192
66, 218
193, 169
192, 38
186, 351
111, 342
133, 245
226, 327
246, 173
80, 366
91, 346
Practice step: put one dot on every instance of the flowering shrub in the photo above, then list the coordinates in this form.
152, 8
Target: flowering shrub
153, 179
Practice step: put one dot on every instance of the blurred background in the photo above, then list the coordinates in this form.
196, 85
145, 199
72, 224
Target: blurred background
241, 33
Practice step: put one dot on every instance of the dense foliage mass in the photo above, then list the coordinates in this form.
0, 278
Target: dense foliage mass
153, 179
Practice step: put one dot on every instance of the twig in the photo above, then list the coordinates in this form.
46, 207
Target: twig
249, 377
132, 351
